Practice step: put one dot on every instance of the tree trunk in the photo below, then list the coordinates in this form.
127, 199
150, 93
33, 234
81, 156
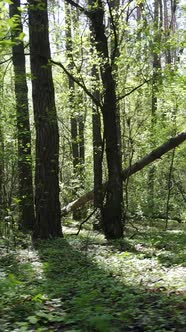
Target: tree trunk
136, 167
26, 205
97, 157
112, 209
47, 137
97, 141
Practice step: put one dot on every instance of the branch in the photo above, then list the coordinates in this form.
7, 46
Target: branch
83, 86
76, 5
134, 89
84, 221
4, 61
172, 143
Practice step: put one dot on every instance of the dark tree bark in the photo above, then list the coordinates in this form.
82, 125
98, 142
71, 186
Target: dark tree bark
26, 205
97, 141
172, 143
112, 209
47, 137
97, 157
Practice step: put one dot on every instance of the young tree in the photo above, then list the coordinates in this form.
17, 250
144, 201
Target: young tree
112, 209
26, 202
156, 67
76, 119
48, 223
98, 146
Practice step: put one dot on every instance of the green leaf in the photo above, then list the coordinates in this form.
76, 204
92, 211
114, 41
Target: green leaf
33, 319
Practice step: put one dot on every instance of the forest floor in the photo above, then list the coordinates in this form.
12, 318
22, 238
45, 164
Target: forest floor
84, 283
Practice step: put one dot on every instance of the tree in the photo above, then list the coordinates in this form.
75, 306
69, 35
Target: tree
156, 67
76, 119
98, 147
112, 209
133, 45
97, 140
48, 223
26, 201
155, 154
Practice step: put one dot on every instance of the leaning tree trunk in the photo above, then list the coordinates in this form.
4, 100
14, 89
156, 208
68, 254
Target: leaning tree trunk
26, 204
156, 154
112, 210
47, 137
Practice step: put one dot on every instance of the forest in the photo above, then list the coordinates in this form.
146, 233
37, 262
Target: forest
92, 165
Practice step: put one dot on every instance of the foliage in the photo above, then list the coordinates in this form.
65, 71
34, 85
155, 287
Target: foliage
87, 284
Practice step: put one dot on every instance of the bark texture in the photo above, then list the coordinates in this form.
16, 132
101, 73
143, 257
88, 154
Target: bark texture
97, 141
47, 137
112, 209
26, 205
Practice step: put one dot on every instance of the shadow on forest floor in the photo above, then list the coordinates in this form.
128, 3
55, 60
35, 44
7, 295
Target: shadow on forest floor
84, 284
168, 246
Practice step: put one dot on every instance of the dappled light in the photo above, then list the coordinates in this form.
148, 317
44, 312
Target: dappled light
92, 166
85, 283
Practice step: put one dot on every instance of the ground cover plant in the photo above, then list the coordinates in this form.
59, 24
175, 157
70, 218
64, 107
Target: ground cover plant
85, 283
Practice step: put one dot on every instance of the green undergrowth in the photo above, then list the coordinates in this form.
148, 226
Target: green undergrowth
84, 283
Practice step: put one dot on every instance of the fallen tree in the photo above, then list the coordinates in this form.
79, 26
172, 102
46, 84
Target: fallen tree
156, 216
157, 153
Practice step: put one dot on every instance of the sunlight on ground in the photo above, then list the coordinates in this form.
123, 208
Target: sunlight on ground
84, 283
31, 256
132, 267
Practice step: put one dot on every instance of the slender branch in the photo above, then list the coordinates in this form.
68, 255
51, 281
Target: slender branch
83, 86
76, 5
4, 61
134, 89
84, 221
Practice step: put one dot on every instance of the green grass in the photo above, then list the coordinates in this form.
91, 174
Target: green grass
86, 284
